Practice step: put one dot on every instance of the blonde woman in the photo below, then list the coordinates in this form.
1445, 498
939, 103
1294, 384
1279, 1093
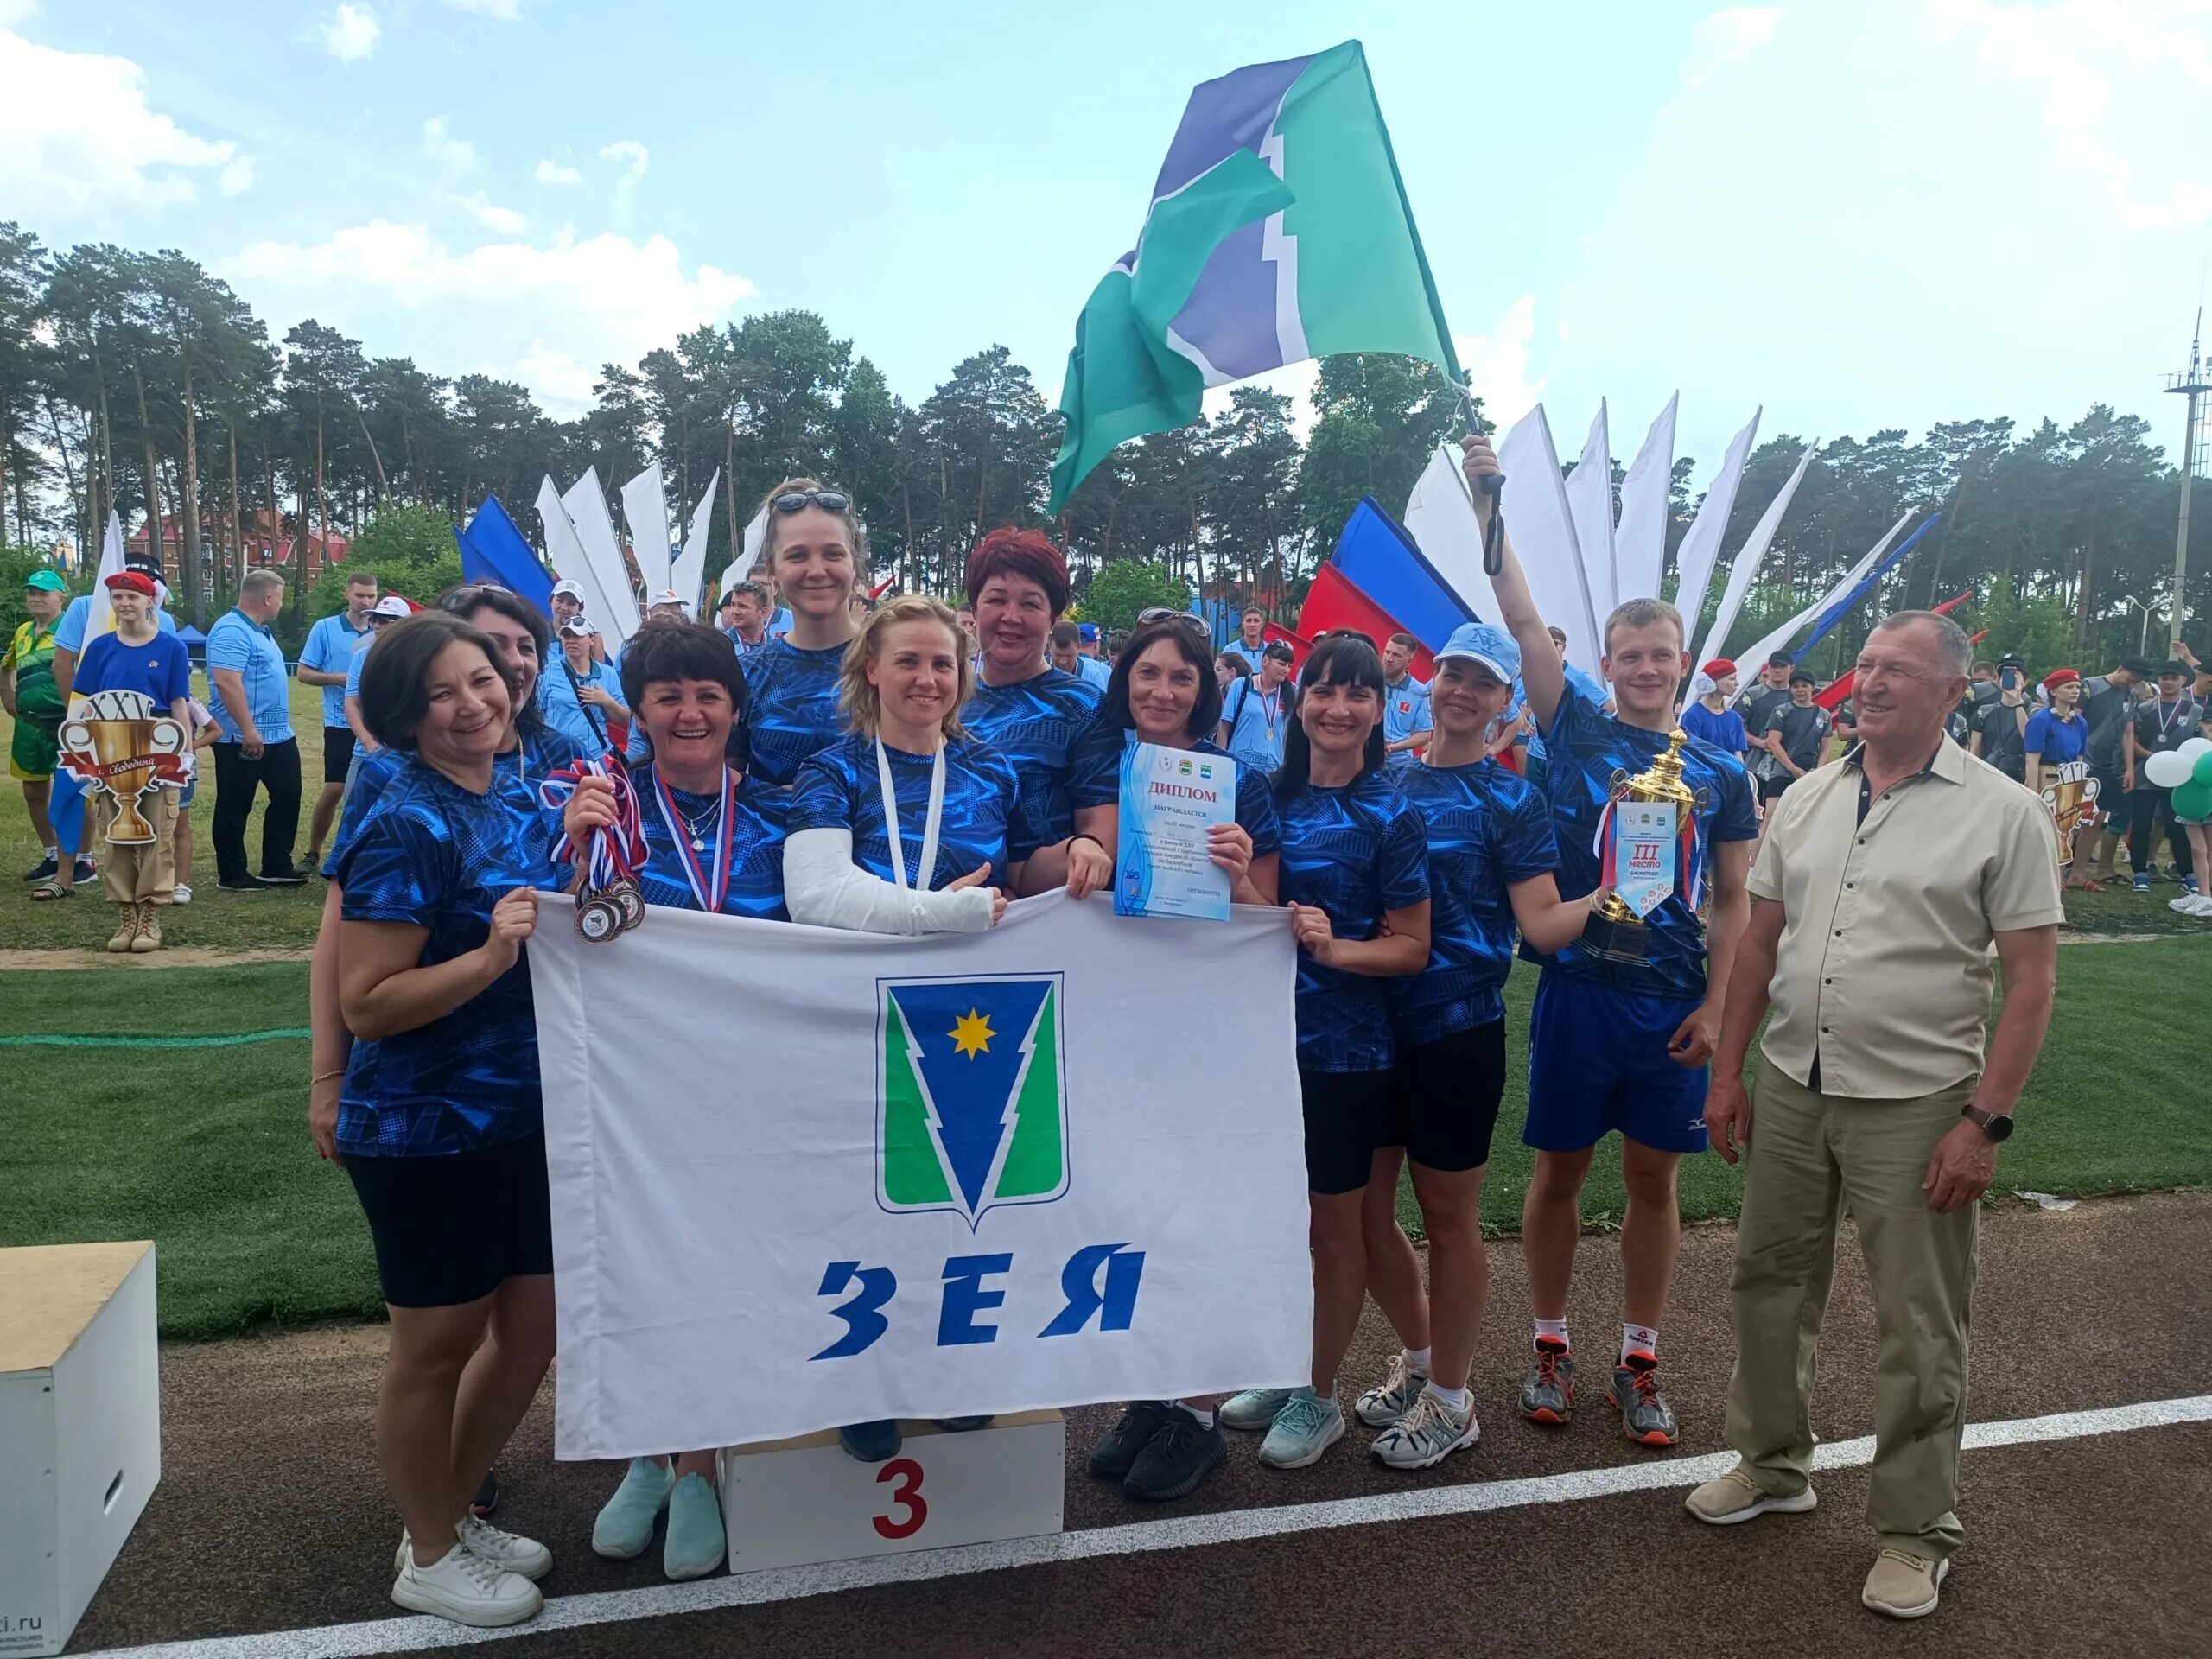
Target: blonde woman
814, 550
902, 826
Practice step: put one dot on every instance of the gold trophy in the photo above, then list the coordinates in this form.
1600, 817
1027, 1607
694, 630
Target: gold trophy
120, 742
1615, 930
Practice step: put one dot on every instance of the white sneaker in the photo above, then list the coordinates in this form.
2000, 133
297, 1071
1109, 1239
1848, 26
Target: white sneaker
1390, 1399
509, 1551
1429, 1433
463, 1586
183, 893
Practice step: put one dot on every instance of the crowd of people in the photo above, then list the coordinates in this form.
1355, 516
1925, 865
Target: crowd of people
905, 766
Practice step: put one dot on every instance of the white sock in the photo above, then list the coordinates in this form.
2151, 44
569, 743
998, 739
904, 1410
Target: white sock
1645, 1337
1204, 1419
1417, 1361
1555, 1329
1455, 1398
53, 852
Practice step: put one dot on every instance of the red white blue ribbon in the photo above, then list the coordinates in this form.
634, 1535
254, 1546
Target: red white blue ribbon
615, 853
708, 894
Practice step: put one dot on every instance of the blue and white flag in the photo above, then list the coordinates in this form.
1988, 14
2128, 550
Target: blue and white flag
803, 1178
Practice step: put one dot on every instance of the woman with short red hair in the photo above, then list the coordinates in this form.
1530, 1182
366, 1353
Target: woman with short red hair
1028, 710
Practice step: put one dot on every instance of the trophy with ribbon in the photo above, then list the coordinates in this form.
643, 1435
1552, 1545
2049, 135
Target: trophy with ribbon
1648, 848
122, 743
610, 903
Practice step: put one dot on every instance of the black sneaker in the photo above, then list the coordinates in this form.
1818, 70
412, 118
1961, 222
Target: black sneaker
44, 871
285, 878
243, 884
1117, 1448
1175, 1459
487, 1495
87, 870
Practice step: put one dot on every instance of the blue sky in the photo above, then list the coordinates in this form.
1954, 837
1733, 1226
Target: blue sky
1853, 213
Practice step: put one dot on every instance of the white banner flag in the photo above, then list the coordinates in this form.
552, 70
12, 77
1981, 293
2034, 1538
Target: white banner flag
803, 1177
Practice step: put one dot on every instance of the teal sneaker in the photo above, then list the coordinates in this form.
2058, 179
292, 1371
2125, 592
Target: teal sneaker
624, 1527
1306, 1426
1255, 1408
695, 1545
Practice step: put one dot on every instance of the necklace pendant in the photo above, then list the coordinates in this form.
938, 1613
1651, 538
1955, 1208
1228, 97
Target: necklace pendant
697, 845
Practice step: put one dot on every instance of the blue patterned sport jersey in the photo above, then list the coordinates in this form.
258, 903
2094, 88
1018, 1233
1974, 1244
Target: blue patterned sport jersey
1354, 852
515, 777
791, 710
755, 851
839, 789
430, 854
1095, 780
1488, 829
1588, 750
1034, 724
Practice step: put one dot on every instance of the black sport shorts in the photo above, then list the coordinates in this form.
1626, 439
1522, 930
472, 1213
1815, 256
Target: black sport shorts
448, 1229
1445, 1096
337, 752
1347, 1116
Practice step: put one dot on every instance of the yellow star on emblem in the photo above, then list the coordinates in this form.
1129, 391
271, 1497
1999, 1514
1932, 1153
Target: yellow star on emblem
971, 1034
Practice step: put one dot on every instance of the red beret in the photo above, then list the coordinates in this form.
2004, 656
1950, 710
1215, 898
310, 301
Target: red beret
2061, 676
1718, 669
138, 581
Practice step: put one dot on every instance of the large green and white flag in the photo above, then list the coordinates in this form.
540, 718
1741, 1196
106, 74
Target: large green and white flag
1279, 230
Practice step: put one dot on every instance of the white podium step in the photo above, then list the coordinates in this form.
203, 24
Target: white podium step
799, 1502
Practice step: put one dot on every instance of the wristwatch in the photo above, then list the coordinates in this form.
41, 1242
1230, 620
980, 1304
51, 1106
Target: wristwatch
1996, 1125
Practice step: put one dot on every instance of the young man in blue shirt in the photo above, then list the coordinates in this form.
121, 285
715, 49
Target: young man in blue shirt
1406, 724
323, 662
1088, 663
1625, 1022
1252, 643
254, 747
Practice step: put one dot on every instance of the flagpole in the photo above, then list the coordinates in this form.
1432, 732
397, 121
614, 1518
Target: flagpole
1493, 486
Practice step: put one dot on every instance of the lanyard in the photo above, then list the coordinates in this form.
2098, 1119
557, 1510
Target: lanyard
932, 823
2165, 724
709, 895
614, 853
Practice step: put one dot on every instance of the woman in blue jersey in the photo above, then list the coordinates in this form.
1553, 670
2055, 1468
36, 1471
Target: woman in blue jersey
1027, 709
903, 826
1491, 858
439, 1121
1164, 691
1355, 874
813, 547
708, 849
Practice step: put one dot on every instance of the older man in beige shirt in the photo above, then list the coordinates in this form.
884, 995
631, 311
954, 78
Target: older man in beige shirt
1882, 886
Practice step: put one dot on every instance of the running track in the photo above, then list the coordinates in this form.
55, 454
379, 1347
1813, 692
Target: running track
2085, 1532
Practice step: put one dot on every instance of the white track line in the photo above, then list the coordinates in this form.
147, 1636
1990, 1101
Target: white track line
386, 1636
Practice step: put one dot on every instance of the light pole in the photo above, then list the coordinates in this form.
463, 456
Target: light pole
2192, 384
2129, 598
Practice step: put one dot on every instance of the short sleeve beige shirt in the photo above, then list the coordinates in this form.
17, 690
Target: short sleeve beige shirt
1884, 969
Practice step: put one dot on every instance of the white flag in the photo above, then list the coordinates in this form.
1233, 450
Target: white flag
803, 1178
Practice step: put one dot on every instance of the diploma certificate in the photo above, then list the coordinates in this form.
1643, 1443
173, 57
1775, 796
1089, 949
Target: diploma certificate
1170, 799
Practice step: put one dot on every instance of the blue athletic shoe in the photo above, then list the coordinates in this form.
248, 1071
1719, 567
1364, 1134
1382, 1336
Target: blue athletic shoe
695, 1545
1306, 1426
874, 1442
625, 1527
2143, 881
2188, 885
1252, 1409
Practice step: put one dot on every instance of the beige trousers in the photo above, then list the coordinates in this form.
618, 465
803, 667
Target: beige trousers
136, 875
1813, 1158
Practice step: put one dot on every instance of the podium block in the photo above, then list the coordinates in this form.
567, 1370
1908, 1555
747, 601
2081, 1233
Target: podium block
799, 1502
80, 1434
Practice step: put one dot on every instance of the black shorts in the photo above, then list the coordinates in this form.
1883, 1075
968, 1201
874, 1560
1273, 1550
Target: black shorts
337, 752
1347, 1116
447, 1229
1770, 788
2112, 798
1444, 1098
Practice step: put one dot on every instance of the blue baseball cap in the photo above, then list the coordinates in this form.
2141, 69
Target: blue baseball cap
1478, 642
1086, 630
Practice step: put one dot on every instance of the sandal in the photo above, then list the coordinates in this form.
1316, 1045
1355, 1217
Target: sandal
2087, 885
47, 891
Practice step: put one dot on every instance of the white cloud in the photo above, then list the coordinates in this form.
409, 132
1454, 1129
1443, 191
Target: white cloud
2068, 50
1727, 36
491, 216
551, 172
506, 11
75, 129
1295, 381
606, 299
455, 155
351, 33
15, 12
1497, 364
632, 154
237, 176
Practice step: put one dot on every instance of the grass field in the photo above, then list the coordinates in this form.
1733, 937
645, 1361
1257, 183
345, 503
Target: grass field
203, 1148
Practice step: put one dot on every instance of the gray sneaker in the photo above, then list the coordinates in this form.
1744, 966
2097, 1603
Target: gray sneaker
1646, 1418
1388, 1401
1429, 1433
1253, 1409
1547, 1392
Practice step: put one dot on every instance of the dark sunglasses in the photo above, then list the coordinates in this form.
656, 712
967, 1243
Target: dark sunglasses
800, 500
1153, 613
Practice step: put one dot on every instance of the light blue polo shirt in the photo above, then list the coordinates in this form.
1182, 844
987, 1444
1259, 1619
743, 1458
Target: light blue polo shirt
330, 649
1405, 709
238, 641
1096, 669
69, 632
1258, 723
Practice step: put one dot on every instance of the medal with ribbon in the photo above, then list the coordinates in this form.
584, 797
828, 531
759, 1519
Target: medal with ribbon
610, 903
707, 890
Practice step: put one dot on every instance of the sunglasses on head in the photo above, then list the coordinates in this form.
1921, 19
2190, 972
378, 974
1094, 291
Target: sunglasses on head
800, 500
1161, 614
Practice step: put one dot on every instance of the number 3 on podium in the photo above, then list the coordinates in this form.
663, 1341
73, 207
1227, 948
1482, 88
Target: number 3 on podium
906, 1495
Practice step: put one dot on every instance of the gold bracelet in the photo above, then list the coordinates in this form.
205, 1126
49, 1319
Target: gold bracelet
325, 1076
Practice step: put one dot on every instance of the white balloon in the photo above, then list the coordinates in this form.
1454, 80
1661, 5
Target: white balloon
2168, 770
2195, 747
